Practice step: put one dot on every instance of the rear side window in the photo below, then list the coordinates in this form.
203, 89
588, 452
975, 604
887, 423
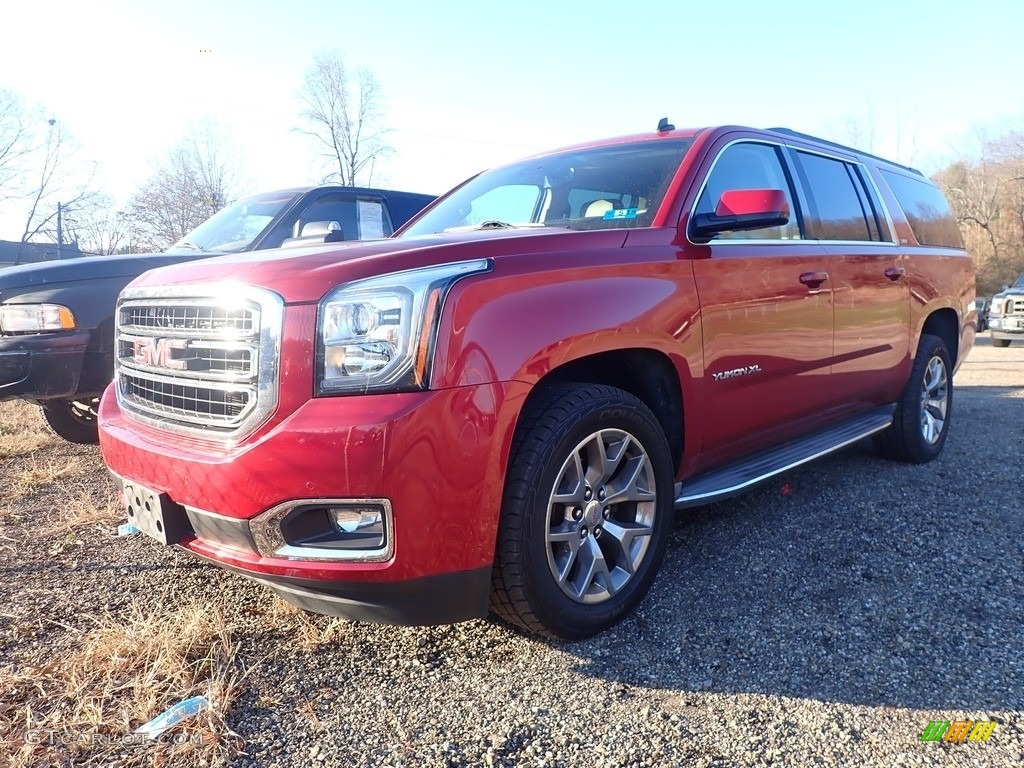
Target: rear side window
749, 166
841, 207
927, 210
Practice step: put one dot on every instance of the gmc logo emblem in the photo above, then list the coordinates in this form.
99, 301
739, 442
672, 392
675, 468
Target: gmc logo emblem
160, 353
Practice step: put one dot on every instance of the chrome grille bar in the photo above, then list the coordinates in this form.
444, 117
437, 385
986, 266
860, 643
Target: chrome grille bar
189, 359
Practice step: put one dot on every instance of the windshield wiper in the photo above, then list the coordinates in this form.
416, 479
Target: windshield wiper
494, 224
190, 246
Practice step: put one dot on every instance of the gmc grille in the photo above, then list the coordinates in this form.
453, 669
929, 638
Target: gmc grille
196, 363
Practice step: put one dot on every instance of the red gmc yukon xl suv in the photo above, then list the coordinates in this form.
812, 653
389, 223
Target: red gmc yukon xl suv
501, 406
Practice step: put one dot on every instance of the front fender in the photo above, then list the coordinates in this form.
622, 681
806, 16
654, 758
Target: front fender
506, 326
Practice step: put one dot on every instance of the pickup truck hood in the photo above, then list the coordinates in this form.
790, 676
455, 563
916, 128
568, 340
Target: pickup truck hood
90, 268
301, 275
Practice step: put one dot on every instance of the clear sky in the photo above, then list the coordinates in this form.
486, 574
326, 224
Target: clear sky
469, 85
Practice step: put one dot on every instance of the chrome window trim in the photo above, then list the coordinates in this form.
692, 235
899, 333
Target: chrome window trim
267, 369
866, 173
761, 241
266, 533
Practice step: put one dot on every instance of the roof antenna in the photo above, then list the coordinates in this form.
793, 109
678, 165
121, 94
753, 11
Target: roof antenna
665, 125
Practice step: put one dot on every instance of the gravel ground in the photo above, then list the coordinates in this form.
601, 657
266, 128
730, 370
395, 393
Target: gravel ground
822, 619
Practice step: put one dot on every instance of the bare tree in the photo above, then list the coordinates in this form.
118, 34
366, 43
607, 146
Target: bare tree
56, 182
345, 117
196, 180
987, 195
16, 143
98, 227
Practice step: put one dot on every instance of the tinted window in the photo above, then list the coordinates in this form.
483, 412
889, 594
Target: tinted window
359, 219
838, 200
927, 210
749, 166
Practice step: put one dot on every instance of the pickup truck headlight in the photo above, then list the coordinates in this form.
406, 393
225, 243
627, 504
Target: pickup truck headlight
35, 318
378, 334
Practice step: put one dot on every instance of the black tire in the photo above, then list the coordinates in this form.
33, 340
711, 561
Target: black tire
558, 434
73, 420
913, 436
1000, 342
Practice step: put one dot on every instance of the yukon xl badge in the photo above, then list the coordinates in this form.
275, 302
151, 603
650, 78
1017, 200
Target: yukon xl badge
732, 374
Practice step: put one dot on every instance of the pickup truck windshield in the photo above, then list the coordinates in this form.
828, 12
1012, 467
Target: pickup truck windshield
235, 227
601, 188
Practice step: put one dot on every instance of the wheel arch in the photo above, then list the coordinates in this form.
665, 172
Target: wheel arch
647, 374
945, 324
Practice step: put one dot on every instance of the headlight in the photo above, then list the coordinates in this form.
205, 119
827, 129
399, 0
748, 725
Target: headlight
378, 334
995, 308
34, 318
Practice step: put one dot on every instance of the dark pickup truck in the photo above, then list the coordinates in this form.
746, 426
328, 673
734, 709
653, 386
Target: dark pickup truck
57, 318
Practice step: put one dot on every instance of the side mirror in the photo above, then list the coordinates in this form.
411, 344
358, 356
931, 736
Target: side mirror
330, 231
743, 209
315, 232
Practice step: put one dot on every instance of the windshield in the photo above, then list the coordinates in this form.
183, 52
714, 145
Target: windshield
235, 227
601, 188
1020, 282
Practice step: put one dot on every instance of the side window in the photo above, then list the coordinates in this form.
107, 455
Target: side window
927, 210
359, 219
750, 166
841, 205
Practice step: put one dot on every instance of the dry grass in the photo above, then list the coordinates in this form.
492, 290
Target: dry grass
22, 430
29, 474
82, 509
107, 681
309, 630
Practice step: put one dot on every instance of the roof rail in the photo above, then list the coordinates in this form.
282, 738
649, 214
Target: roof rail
837, 145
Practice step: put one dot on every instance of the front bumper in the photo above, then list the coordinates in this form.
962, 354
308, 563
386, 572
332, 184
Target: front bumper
42, 366
438, 457
1000, 331
1006, 326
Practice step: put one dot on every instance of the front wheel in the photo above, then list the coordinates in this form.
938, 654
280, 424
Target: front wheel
73, 420
1000, 342
923, 413
586, 513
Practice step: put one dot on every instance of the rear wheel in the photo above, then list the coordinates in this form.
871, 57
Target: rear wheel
921, 422
1000, 342
586, 513
73, 420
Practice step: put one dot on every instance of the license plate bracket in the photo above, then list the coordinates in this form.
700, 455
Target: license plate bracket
156, 515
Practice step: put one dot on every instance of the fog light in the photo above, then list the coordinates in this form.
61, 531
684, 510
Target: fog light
326, 529
353, 519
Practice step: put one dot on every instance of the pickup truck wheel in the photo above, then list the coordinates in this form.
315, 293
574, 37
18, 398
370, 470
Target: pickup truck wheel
586, 513
922, 417
1000, 342
73, 420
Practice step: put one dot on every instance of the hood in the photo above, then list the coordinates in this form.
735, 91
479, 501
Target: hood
306, 274
90, 268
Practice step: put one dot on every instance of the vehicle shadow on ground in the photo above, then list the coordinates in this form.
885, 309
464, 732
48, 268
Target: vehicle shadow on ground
852, 580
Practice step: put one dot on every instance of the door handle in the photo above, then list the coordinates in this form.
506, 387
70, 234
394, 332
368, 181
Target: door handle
813, 279
895, 273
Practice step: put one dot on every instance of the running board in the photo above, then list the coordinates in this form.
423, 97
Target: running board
734, 478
